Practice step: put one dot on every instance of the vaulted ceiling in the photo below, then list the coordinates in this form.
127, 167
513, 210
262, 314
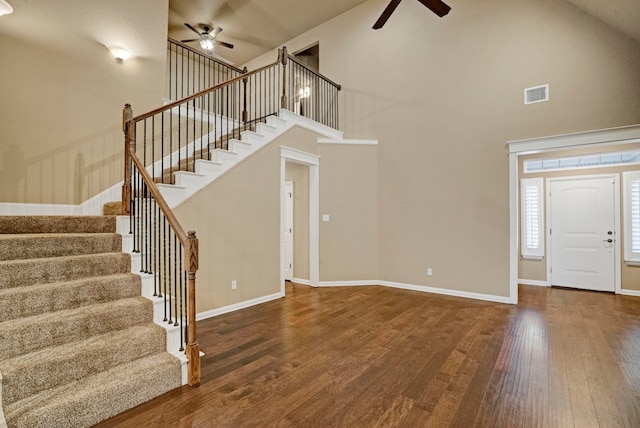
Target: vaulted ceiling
256, 26
253, 26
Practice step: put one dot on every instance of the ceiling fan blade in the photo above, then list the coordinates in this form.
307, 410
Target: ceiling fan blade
386, 14
225, 44
216, 31
437, 6
189, 40
190, 27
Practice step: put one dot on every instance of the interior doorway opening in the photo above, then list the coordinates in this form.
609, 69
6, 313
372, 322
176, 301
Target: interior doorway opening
303, 168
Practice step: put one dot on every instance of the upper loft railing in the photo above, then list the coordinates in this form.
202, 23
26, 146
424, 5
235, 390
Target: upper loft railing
310, 94
191, 71
173, 137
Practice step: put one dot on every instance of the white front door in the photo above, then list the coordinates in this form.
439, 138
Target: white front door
288, 231
582, 233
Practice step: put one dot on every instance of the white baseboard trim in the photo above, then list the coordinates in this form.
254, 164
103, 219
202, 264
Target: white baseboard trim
10, 208
466, 294
237, 306
533, 282
347, 283
351, 142
92, 206
3, 421
635, 293
446, 292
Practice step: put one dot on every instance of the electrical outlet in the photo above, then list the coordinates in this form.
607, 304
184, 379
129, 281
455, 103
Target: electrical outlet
234, 284
429, 272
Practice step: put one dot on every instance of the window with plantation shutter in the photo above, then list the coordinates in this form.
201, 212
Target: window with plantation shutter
532, 221
632, 217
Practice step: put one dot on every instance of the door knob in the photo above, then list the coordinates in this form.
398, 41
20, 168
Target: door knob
608, 240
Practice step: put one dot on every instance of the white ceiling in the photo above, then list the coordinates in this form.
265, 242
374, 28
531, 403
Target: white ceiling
253, 26
257, 26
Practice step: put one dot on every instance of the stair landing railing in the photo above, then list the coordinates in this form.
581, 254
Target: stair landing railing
166, 251
184, 136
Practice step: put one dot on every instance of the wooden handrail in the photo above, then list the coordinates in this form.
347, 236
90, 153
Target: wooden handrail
209, 57
162, 203
337, 85
203, 92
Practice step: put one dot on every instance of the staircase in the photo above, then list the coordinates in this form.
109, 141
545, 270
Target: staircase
202, 167
77, 340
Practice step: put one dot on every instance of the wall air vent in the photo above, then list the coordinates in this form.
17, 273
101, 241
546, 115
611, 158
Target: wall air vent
537, 94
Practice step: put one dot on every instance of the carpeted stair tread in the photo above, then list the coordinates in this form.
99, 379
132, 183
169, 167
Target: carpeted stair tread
29, 374
26, 335
112, 208
37, 299
35, 246
57, 224
95, 398
18, 273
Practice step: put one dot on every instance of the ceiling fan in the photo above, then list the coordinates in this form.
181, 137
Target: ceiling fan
207, 37
437, 6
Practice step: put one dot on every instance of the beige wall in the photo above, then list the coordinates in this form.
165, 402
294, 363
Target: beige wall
443, 96
237, 220
537, 269
349, 194
63, 93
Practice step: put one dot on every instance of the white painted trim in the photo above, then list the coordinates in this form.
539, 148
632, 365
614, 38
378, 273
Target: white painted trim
514, 218
301, 281
10, 208
348, 283
348, 142
631, 258
95, 205
618, 257
625, 292
92, 206
237, 306
313, 162
3, 421
533, 282
310, 124
604, 137
299, 156
447, 292
623, 134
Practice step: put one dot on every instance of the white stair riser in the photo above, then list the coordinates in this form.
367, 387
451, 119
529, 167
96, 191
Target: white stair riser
186, 179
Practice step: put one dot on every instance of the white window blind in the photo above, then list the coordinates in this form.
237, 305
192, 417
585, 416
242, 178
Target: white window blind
632, 216
532, 221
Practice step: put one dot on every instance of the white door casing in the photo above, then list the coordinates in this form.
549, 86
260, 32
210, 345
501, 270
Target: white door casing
313, 162
287, 268
582, 232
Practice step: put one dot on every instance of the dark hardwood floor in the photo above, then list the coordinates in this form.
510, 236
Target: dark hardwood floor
382, 357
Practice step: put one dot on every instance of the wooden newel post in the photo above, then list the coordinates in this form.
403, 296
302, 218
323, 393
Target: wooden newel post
193, 348
127, 128
284, 57
245, 113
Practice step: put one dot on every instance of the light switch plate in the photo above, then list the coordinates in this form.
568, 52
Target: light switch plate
325, 217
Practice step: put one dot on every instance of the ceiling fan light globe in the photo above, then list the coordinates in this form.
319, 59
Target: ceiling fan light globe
206, 42
5, 8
